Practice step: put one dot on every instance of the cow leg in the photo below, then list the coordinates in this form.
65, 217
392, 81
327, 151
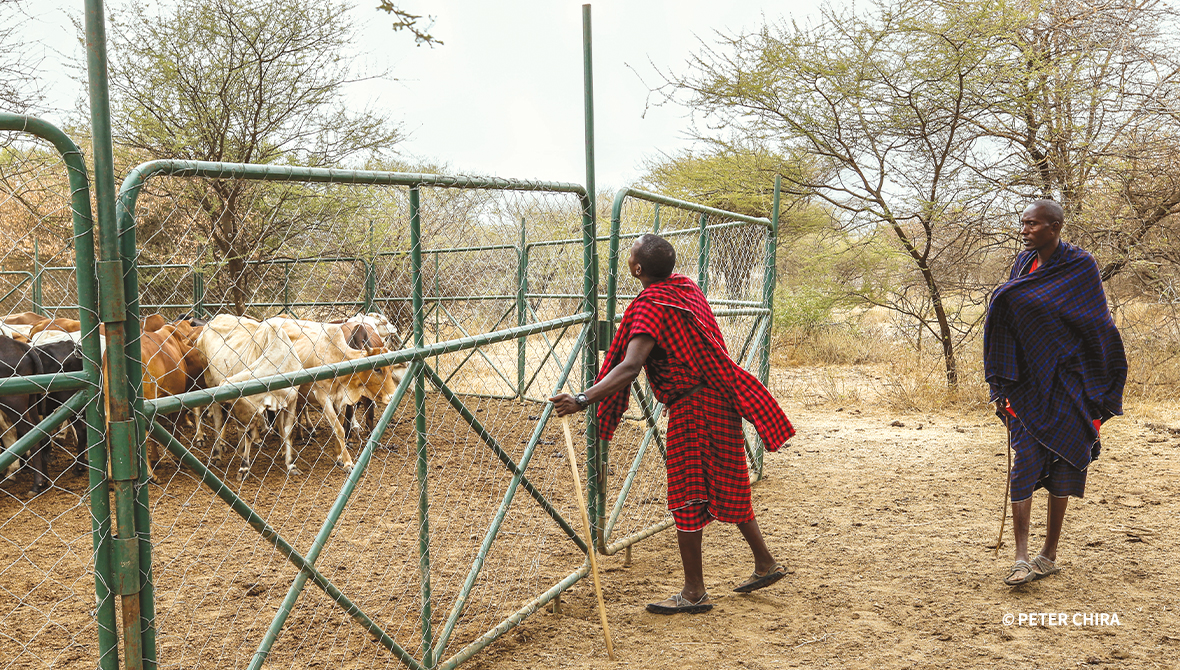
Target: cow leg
249, 436
8, 438
342, 456
286, 425
370, 414
219, 427
78, 428
36, 459
199, 433
351, 426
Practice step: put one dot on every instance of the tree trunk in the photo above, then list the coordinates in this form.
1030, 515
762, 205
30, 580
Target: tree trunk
944, 328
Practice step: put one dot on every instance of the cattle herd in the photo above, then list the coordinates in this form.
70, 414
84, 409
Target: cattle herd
189, 354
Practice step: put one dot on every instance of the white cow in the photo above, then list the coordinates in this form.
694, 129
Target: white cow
325, 343
240, 349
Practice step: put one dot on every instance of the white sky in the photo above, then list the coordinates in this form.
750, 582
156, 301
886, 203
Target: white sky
503, 95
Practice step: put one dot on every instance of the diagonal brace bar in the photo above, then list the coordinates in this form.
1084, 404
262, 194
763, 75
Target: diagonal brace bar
486, 436
501, 513
271, 535
321, 539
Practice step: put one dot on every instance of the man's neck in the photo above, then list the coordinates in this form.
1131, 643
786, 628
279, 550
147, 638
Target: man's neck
649, 281
1046, 252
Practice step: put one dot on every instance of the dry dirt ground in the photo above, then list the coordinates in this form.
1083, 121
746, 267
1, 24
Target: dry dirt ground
887, 529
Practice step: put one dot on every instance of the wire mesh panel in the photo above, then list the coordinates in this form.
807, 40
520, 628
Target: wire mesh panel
54, 511
382, 382
726, 255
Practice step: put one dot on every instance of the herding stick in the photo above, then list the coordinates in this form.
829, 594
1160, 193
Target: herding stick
569, 445
1007, 487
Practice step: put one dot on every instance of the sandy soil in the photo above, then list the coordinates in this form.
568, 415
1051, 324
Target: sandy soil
887, 529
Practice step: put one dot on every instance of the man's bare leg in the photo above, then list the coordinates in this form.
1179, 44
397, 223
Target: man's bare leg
763, 561
1021, 514
1056, 518
690, 556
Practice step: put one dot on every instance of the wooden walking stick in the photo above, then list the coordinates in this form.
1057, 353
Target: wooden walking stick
1007, 488
573, 455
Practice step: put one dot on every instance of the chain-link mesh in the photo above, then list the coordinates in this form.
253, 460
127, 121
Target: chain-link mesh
47, 555
263, 268
727, 259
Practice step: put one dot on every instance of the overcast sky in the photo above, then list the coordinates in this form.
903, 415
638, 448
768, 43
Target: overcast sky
503, 95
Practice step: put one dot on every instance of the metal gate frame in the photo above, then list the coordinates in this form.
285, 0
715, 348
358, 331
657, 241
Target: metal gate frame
108, 293
110, 554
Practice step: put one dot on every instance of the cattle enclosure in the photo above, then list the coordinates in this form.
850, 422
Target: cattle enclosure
456, 520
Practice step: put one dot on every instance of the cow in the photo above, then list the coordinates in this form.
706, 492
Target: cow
239, 349
18, 412
362, 336
63, 325
18, 333
381, 325
325, 343
23, 319
58, 357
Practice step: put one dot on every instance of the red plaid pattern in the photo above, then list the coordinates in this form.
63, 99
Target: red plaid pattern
707, 477
678, 316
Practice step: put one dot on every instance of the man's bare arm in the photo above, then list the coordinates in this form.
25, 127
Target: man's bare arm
616, 380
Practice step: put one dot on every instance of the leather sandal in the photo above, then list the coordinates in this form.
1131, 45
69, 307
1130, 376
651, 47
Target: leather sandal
681, 605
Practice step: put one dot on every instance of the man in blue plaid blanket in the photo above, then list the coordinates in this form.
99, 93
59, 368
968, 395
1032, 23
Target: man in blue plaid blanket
1056, 368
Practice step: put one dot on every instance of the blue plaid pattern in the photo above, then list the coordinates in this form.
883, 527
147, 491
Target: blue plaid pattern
1052, 350
1035, 467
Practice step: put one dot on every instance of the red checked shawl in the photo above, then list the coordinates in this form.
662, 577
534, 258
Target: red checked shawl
677, 315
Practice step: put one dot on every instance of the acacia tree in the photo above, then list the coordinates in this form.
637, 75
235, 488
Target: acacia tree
735, 178
883, 105
19, 89
249, 81
1090, 115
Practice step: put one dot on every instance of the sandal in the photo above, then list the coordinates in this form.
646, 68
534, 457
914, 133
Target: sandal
1044, 567
757, 581
681, 605
1028, 576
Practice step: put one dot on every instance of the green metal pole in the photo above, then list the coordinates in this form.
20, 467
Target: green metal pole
594, 485
370, 274
122, 436
38, 300
199, 293
522, 287
655, 226
321, 538
703, 257
769, 283
287, 287
420, 428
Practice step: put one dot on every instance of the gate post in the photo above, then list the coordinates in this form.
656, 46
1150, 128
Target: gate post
123, 370
522, 317
769, 280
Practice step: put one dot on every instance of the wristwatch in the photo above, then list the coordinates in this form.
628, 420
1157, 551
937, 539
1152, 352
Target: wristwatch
581, 400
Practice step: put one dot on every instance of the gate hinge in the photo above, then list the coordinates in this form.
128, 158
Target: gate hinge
112, 304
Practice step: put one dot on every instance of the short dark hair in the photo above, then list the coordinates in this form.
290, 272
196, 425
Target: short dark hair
656, 255
1052, 207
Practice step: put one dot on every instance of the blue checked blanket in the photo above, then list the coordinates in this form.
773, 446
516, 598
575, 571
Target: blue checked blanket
1050, 347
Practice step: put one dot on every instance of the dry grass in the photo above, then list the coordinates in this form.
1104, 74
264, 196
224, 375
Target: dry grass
865, 357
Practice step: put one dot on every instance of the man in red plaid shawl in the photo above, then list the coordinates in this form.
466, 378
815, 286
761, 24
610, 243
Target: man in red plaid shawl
1056, 367
669, 331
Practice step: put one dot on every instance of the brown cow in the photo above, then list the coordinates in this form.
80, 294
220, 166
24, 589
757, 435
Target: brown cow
150, 324
168, 360
64, 325
24, 319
